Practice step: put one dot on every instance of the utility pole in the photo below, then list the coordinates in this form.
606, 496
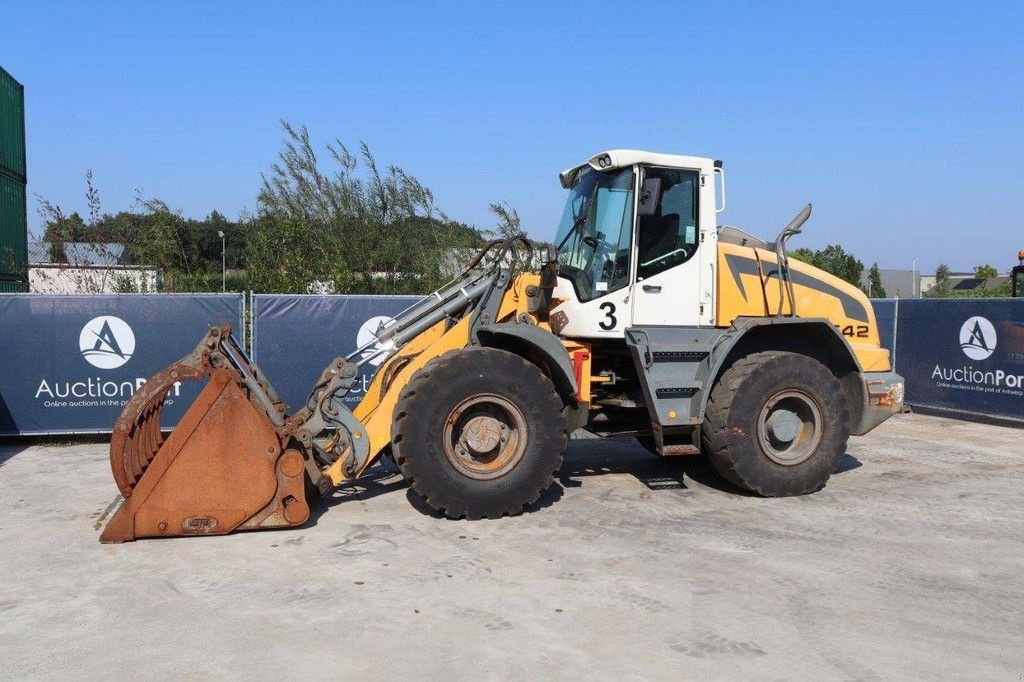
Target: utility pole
223, 262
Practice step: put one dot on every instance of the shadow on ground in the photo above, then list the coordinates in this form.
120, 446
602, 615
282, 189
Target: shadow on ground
583, 459
15, 444
8, 451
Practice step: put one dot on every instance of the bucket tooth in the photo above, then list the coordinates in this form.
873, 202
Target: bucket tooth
222, 468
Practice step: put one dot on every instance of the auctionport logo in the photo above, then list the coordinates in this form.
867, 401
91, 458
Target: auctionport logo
106, 342
978, 342
977, 338
367, 333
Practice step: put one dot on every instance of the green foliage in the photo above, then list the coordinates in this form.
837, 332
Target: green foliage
1001, 290
355, 228
943, 286
985, 271
834, 260
61, 229
875, 288
285, 256
509, 224
198, 282
803, 254
153, 235
343, 225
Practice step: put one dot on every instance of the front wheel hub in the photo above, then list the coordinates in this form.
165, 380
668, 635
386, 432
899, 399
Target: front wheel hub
485, 436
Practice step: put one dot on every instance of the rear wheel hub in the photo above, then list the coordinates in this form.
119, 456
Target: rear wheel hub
789, 427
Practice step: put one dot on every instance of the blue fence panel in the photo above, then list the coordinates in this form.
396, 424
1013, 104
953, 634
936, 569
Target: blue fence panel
69, 363
963, 354
885, 315
294, 337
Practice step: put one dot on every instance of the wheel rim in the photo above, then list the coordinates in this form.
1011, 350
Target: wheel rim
485, 436
789, 427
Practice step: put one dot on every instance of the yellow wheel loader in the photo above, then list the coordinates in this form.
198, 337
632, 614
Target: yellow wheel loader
645, 319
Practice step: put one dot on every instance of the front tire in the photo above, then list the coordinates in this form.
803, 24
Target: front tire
479, 432
776, 424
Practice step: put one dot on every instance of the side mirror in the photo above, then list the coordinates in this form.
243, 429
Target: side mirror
650, 192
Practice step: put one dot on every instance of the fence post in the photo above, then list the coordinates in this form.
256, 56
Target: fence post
895, 328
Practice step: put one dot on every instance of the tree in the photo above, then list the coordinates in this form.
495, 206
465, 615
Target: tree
943, 286
509, 224
834, 260
356, 228
347, 225
985, 271
151, 234
60, 229
805, 255
875, 288
841, 264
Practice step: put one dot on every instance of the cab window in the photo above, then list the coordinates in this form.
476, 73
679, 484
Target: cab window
595, 236
669, 237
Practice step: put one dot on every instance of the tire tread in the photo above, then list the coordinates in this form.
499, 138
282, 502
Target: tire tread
715, 430
447, 502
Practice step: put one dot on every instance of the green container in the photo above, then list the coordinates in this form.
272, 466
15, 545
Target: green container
13, 213
13, 235
12, 127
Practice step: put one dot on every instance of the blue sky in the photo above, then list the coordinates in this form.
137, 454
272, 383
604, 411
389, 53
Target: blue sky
902, 122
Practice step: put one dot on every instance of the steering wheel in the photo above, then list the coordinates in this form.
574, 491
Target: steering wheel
602, 249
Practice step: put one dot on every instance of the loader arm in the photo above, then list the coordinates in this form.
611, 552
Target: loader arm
238, 461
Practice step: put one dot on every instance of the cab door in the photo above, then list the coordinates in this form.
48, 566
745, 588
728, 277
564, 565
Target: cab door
673, 282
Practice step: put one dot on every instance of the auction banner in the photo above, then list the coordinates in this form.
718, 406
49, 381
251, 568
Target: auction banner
68, 364
885, 316
296, 336
964, 355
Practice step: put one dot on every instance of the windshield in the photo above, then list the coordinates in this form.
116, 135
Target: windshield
596, 232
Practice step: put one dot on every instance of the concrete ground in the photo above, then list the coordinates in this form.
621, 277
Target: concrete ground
910, 564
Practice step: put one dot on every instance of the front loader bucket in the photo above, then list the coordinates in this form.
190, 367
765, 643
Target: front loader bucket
222, 468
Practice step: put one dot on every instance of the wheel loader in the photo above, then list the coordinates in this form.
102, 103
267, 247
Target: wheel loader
644, 319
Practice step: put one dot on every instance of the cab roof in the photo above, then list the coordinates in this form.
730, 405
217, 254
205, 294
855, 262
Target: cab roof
621, 158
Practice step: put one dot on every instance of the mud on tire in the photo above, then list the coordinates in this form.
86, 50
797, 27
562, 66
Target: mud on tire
448, 428
757, 404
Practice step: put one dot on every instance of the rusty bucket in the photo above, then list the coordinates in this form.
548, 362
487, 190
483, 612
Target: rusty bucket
224, 467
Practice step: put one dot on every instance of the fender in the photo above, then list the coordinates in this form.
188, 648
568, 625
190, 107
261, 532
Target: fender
742, 328
517, 336
678, 366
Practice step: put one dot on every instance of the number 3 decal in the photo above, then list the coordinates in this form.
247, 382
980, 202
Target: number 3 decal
609, 311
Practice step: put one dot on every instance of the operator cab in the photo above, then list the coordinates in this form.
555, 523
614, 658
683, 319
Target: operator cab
1017, 277
612, 276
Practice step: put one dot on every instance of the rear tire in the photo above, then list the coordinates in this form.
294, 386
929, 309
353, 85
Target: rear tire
776, 424
479, 432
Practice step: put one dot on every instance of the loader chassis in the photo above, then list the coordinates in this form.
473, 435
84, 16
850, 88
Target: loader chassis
682, 335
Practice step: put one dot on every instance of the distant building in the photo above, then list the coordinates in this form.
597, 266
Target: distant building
87, 254
973, 283
963, 281
87, 268
897, 283
910, 284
